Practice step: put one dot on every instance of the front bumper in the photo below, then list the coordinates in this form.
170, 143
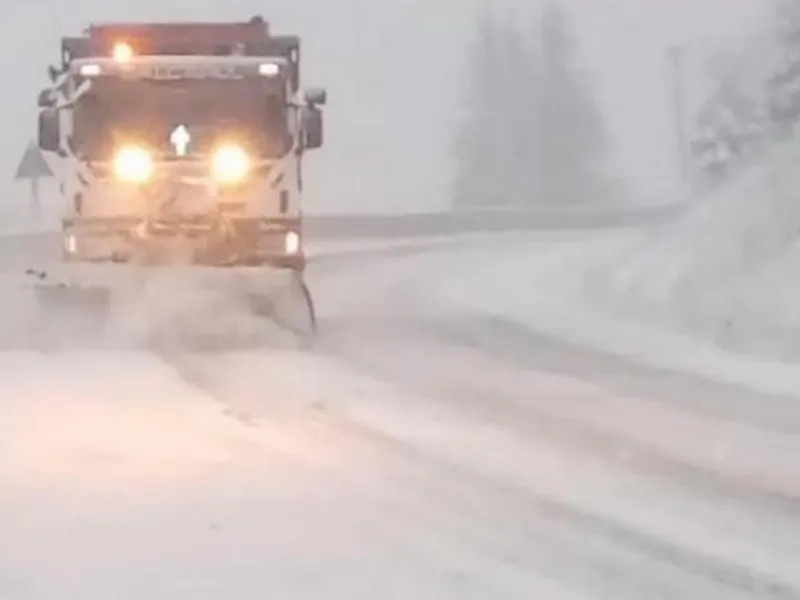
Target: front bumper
274, 242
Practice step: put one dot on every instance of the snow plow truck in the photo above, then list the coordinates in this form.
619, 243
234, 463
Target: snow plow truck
178, 149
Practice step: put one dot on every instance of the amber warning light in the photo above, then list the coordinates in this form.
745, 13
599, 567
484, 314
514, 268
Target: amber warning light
122, 52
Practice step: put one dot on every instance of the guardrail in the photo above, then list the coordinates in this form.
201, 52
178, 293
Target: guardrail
475, 221
381, 230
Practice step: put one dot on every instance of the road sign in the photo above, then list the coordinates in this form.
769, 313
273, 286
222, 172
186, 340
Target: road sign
33, 165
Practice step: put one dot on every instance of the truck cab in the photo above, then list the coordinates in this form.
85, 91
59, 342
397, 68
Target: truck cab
190, 131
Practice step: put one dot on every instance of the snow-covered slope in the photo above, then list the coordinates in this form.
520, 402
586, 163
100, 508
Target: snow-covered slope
716, 292
552, 289
728, 271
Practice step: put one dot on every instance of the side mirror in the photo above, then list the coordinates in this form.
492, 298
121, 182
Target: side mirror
49, 131
316, 96
46, 99
313, 128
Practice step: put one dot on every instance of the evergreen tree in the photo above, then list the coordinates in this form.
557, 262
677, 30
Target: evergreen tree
531, 132
571, 129
787, 21
783, 88
523, 123
731, 123
481, 144
756, 94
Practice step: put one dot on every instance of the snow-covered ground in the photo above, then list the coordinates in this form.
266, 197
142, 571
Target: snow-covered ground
716, 292
728, 271
422, 450
549, 294
394, 461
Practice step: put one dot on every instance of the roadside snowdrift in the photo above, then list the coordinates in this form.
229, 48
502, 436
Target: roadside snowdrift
716, 292
728, 271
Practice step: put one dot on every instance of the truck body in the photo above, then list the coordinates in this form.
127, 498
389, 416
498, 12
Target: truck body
190, 131
180, 145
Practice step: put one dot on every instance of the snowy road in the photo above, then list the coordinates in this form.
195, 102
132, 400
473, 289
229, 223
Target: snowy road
422, 451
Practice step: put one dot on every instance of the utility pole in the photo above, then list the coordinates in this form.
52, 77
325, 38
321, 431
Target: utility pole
676, 55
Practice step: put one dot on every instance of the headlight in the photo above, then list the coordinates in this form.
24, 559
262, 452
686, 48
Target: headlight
230, 164
133, 165
291, 243
90, 70
269, 69
70, 244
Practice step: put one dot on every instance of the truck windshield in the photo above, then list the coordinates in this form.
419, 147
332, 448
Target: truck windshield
147, 112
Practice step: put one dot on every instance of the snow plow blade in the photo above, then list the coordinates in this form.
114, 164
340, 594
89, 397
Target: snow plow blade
71, 295
194, 308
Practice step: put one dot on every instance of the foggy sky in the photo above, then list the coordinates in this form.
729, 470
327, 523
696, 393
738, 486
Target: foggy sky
393, 68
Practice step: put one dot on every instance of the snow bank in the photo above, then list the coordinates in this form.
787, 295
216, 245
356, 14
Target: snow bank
726, 272
550, 289
715, 292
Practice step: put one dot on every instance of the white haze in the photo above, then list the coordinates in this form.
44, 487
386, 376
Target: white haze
393, 69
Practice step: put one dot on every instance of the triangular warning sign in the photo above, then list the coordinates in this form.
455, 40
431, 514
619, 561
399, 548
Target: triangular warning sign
33, 164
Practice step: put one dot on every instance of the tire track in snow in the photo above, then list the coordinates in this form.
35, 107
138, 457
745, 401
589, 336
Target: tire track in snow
445, 535
362, 343
519, 410
581, 527
411, 317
